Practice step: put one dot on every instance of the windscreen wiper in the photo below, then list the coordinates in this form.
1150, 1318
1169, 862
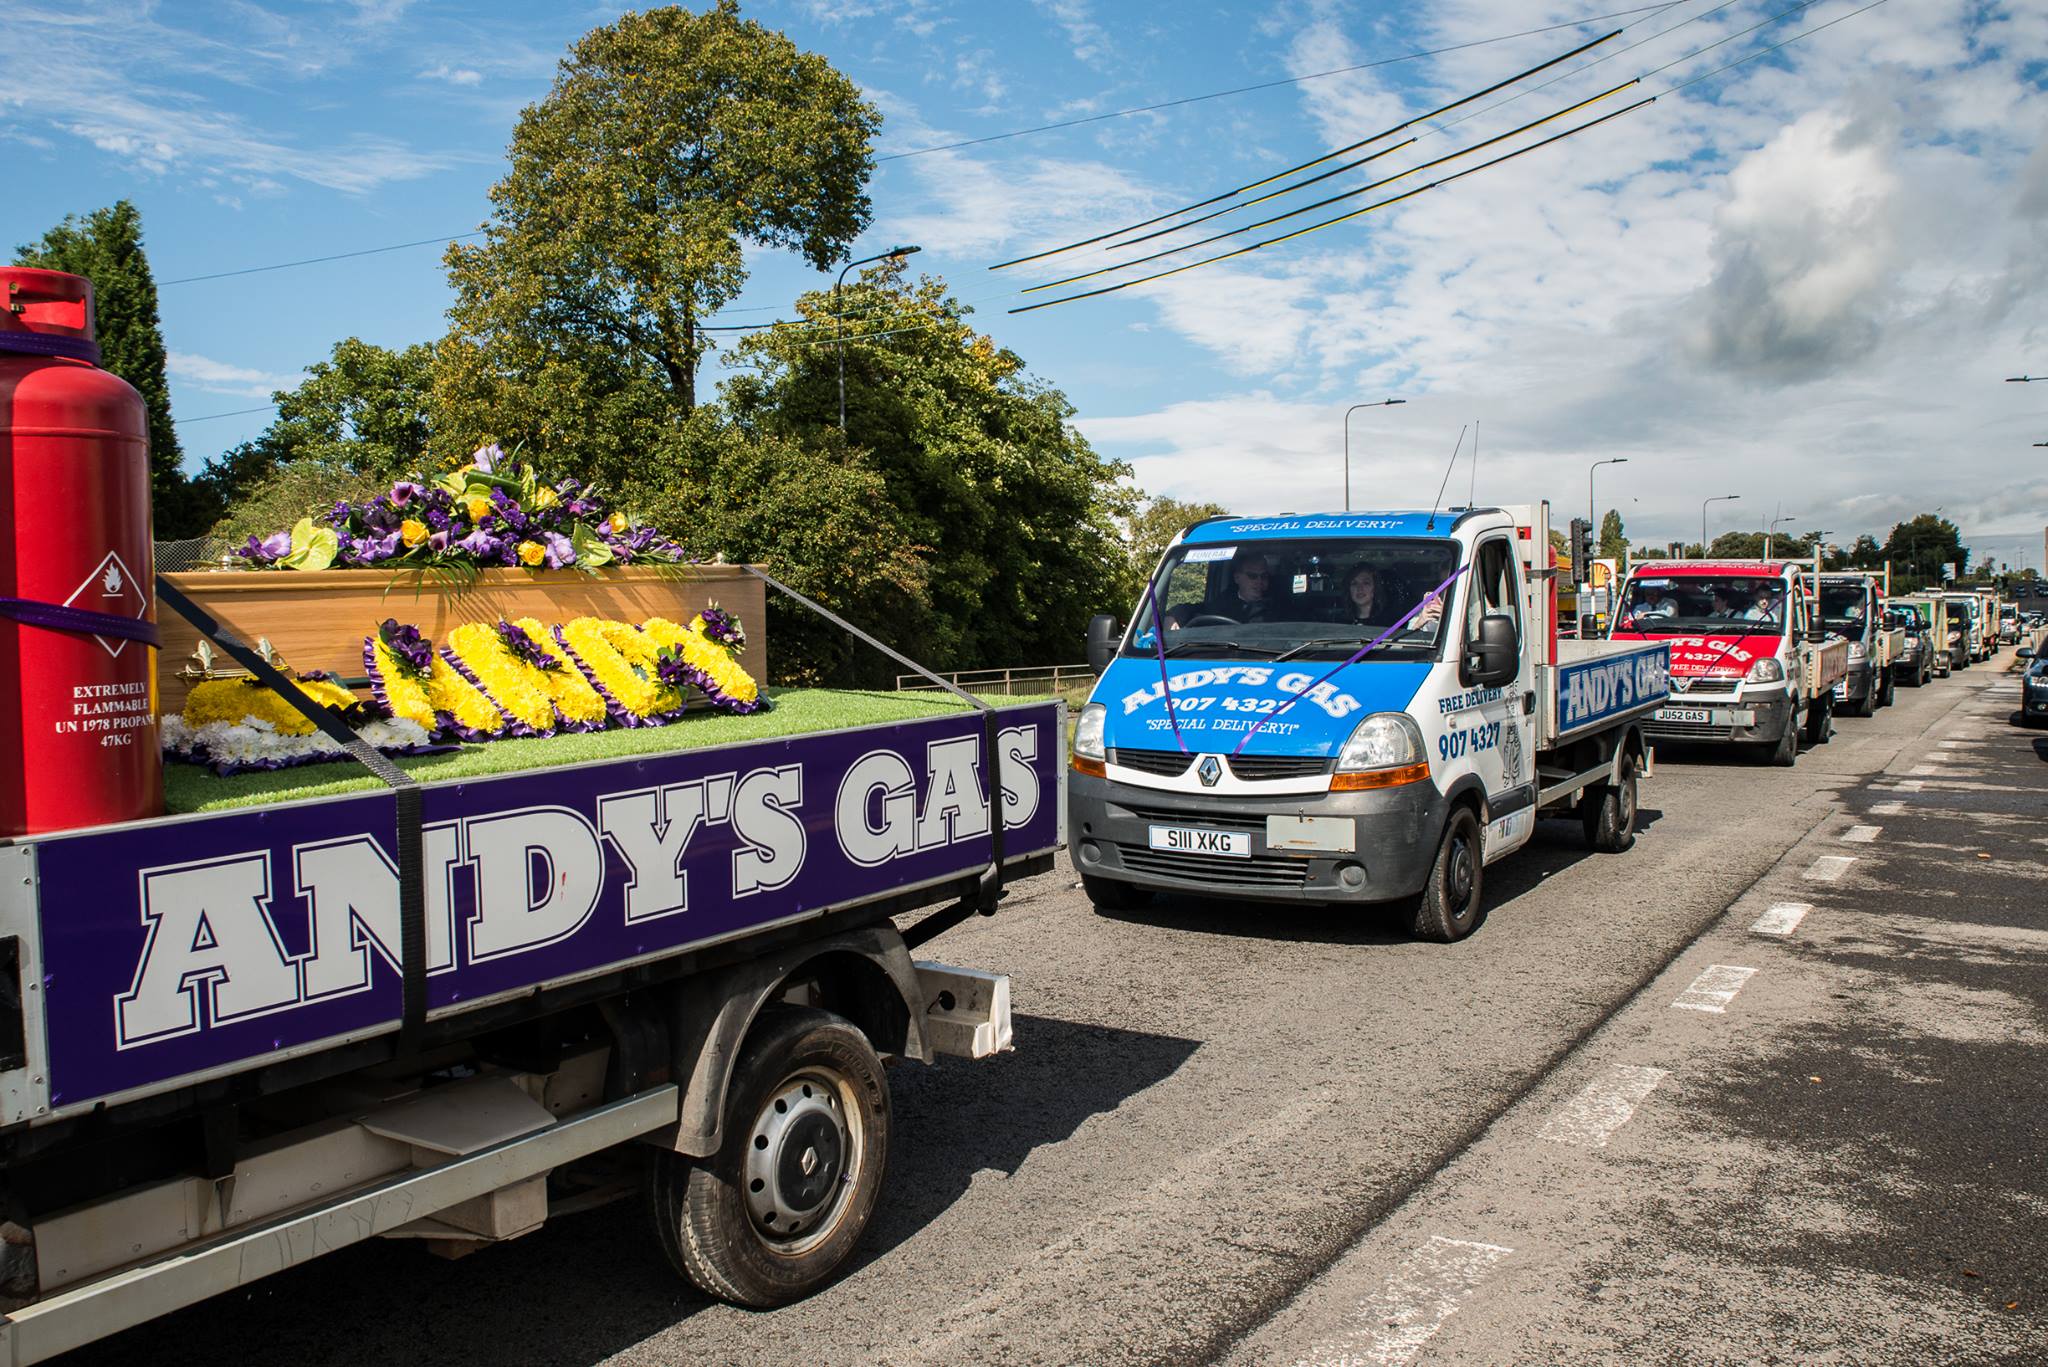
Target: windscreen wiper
1180, 646
1321, 643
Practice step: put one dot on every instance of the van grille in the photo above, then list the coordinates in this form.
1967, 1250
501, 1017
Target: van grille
1264, 768
1163, 763
1260, 871
1222, 821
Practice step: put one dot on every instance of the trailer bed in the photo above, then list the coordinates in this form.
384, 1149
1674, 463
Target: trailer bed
158, 954
1598, 684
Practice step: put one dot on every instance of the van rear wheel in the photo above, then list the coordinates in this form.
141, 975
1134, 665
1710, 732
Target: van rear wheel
1450, 907
1609, 814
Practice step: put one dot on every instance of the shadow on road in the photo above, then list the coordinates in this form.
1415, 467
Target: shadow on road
588, 1286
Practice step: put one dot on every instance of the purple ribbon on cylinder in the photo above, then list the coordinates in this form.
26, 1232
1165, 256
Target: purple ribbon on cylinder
57, 617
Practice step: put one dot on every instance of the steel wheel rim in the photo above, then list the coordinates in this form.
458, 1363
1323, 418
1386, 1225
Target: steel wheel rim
1460, 875
803, 1161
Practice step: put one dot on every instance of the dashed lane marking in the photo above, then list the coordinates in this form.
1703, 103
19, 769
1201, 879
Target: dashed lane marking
1887, 808
1714, 989
1603, 1107
1409, 1308
1829, 868
1909, 785
1860, 835
1782, 919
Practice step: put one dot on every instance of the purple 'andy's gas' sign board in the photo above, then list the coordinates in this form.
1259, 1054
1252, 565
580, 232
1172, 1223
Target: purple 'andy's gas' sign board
189, 946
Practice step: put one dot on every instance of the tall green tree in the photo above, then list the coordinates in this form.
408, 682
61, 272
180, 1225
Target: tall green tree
1146, 531
669, 142
1613, 540
359, 419
1918, 548
980, 464
105, 246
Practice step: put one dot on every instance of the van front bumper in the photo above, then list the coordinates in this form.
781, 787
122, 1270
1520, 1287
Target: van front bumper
1109, 835
1739, 721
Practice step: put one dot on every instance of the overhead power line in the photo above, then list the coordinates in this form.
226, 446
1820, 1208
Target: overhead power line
1313, 161
237, 413
1270, 85
316, 260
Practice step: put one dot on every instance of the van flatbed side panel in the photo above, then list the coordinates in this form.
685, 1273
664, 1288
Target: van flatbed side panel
1607, 684
169, 951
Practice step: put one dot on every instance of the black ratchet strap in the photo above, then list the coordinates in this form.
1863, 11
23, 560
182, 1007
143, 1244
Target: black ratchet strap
412, 883
990, 889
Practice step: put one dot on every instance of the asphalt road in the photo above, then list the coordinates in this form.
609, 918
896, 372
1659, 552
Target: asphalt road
1227, 1130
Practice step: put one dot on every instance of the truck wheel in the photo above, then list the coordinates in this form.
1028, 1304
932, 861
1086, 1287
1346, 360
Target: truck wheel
1868, 707
1820, 718
1610, 817
1109, 895
1785, 753
778, 1210
1450, 907
1884, 698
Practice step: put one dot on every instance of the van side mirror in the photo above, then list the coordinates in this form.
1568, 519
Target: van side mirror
1494, 655
1104, 631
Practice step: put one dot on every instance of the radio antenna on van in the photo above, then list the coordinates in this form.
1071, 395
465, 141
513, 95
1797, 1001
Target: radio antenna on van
1447, 476
1472, 493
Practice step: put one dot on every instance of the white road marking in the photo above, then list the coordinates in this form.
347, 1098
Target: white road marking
1909, 785
1412, 1304
1782, 919
1829, 868
1714, 989
1933, 771
1603, 1107
1860, 835
1887, 809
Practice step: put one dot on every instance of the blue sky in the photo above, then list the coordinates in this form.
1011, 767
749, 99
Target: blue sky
1801, 280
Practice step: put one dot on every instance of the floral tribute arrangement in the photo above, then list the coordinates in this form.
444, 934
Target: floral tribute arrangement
234, 725
487, 514
488, 681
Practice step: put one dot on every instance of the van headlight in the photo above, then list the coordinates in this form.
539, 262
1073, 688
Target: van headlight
1088, 732
1770, 669
1384, 740
1856, 652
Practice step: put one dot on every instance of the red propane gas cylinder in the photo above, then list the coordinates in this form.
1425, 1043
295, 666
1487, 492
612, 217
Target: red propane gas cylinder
78, 734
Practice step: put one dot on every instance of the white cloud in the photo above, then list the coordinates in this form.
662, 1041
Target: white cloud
453, 75
1076, 18
219, 377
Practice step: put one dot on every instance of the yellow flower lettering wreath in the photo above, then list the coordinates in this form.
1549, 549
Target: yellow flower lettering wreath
618, 659
518, 688
470, 714
576, 702
730, 688
241, 700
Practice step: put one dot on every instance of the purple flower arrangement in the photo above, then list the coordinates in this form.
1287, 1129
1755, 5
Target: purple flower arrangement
407, 646
525, 647
723, 628
488, 514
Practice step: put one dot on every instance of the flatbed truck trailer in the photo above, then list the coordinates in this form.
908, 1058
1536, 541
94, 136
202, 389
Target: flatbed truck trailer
1752, 663
1852, 607
1387, 716
232, 1042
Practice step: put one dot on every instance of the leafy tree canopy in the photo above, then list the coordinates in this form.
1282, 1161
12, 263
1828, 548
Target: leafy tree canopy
105, 246
359, 419
1146, 531
1920, 547
1613, 540
1016, 516
669, 141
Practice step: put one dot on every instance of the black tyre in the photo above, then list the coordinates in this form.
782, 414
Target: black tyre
1890, 689
1450, 907
779, 1209
1609, 814
1820, 718
1110, 895
1785, 753
1868, 707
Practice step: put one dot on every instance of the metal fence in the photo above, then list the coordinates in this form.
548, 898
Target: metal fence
1023, 679
194, 553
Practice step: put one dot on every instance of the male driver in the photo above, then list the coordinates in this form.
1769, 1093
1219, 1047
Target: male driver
1654, 603
1764, 609
1250, 575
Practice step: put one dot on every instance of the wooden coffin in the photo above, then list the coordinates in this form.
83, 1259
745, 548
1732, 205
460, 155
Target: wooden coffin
317, 619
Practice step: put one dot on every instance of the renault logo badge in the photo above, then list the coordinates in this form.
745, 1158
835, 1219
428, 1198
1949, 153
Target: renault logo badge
1209, 770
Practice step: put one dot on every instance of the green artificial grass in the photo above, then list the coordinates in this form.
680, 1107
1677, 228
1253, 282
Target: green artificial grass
189, 788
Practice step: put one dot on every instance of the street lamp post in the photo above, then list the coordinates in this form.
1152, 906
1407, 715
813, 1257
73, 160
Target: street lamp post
1772, 532
1718, 498
893, 254
1383, 403
2026, 379
1592, 514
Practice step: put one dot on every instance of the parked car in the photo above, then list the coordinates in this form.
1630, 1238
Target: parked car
2034, 688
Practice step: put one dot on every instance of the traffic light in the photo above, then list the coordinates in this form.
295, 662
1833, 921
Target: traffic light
1582, 550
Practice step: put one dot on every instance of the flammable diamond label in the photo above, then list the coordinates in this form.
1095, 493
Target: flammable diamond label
110, 589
